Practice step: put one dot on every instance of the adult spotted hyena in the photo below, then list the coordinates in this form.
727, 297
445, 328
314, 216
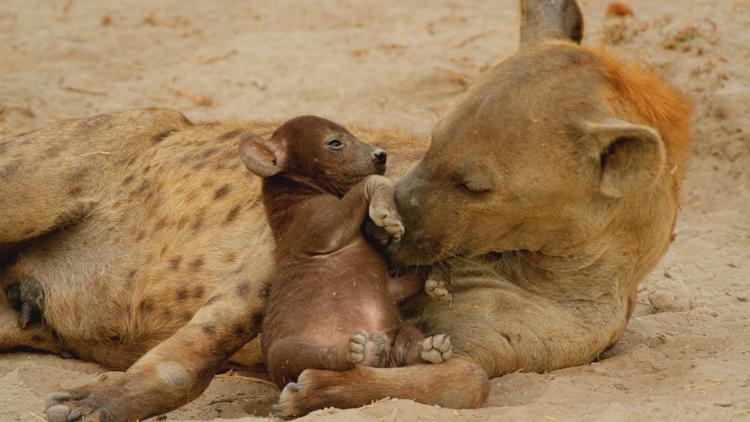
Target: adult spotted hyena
153, 250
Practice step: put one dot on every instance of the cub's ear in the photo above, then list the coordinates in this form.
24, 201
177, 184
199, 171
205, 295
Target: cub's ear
550, 20
262, 157
632, 157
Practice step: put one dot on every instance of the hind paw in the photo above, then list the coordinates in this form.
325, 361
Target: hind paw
365, 350
436, 349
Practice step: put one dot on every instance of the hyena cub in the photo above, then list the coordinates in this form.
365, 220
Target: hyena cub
330, 306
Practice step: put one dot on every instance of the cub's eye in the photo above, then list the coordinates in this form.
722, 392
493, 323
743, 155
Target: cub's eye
335, 144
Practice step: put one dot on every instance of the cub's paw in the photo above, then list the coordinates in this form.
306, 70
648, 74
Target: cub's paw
365, 350
438, 290
384, 214
436, 349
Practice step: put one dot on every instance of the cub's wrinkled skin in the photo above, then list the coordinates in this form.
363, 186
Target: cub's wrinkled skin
562, 199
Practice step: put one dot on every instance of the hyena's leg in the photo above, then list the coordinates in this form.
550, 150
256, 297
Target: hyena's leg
458, 383
177, 370
288, 357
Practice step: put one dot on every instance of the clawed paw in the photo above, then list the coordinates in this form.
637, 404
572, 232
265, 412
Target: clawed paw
73, 405
438, 290
436, 349
289, 395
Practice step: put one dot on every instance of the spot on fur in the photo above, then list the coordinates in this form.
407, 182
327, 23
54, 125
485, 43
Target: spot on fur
181, 294
199, 292
197, 264
243, 288
186, 316
160, 136
145, 306
222, 191
174, 262
197, 224
229, 135
233, 213
239, 329
208, 153
257, 319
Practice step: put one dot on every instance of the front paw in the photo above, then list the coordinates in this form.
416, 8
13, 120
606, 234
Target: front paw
384, 214
75, 405
105, 401
438, 290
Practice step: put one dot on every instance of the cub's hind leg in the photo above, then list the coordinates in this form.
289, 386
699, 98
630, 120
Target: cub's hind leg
288, 357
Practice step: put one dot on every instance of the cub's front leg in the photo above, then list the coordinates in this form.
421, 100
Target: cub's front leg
177, 370
382, 210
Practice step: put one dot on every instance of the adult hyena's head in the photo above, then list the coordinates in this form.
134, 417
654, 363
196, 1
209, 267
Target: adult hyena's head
543, 150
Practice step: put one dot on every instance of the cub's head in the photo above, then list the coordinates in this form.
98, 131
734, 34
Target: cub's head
544, 152
314, 151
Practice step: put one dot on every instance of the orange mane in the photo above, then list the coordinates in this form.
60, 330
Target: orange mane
642, 92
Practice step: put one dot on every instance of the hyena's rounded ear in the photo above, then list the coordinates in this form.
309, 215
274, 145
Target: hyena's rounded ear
631, 157
550, 20
264, 157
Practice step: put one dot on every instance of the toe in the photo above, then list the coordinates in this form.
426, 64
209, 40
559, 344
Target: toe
293, 386
356, 347
441, 342
431, 284
432, 356
427, 344
59, 413
60, 396
380, 338
437, 341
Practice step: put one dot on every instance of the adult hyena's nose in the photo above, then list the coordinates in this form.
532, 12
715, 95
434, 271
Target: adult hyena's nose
379, 157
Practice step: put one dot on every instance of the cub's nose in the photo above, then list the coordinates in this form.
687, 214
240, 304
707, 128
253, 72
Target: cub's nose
379, 157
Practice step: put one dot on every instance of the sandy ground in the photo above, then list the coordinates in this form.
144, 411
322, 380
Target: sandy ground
686, 353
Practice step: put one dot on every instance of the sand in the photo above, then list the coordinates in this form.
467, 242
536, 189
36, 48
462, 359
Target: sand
686, 353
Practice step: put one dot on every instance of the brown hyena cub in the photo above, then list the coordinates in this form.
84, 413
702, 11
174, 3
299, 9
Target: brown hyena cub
332, 305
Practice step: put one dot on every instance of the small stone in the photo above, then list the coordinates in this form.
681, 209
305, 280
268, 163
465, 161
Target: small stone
723, 404
670, 295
